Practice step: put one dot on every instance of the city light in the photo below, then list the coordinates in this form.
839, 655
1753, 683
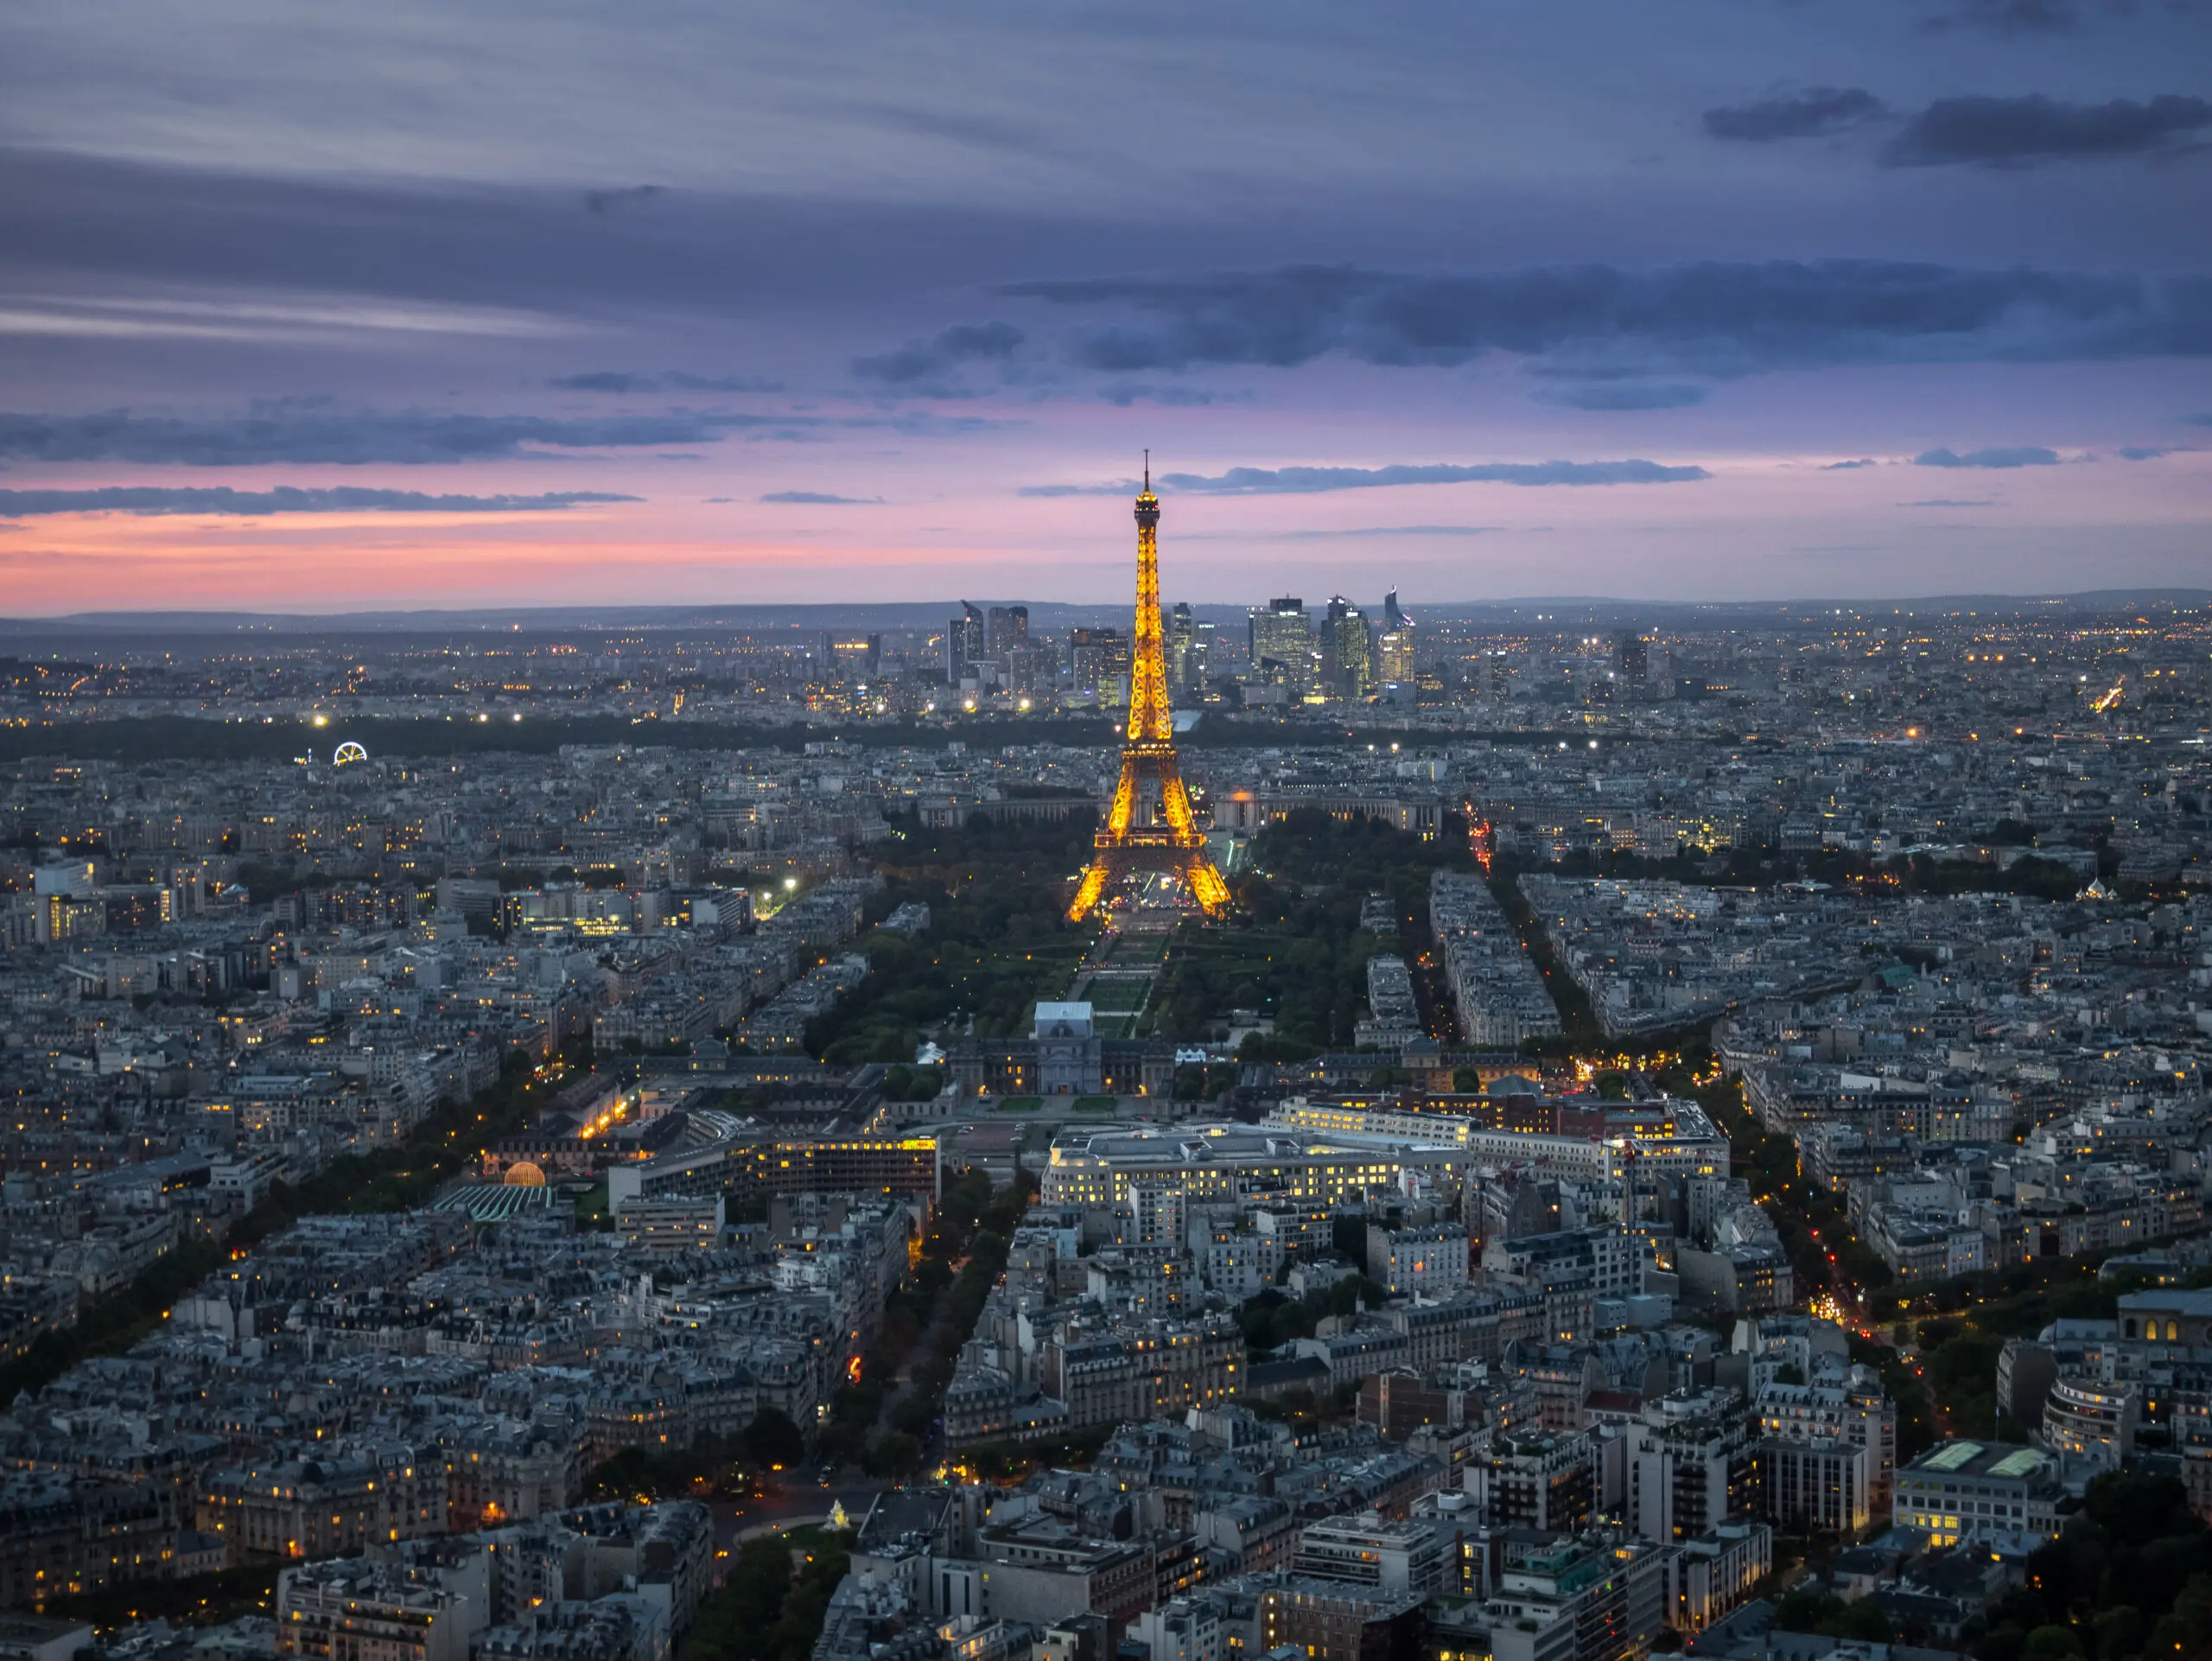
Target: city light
1725, 1087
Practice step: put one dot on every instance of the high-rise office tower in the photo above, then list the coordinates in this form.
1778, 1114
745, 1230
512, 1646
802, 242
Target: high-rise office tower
966, 638
1282, 643
1009, 629
1099, 661
1181, 626
1009, 645
1202, 659
1633, 659
1394, 649
1348, 661
1394, 656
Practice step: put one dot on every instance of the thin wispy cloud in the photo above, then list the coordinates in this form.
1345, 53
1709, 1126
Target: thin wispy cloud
1354, 533
1168, 395
2016, 17
1302, 482
673, 380
285, 498
1812, 113
621, 197
306, 431
1393, 531
1621, 395
2017, 455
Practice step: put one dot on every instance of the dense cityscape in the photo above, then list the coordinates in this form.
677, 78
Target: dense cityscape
556, 1137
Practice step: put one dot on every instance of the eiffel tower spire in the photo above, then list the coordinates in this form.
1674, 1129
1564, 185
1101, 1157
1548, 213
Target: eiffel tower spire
1150, 825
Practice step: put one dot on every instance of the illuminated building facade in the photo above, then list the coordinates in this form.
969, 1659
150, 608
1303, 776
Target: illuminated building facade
1063, 1055
744, 1169
1224, 1162
326, 1507
1965, 1490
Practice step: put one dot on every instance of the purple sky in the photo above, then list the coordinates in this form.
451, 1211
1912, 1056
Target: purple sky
440, 304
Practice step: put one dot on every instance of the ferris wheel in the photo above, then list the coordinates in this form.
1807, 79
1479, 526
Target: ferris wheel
348, 751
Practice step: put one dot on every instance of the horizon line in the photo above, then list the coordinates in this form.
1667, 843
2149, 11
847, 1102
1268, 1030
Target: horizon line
155, 620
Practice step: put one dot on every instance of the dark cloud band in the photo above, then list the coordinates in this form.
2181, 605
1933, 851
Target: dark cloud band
931, 361
1602, 323
2028, 132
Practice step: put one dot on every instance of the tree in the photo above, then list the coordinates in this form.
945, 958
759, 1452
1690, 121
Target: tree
2119, 1633
772, 1439
2051, 1644
1808, 1611
2185, 1631
892, 1454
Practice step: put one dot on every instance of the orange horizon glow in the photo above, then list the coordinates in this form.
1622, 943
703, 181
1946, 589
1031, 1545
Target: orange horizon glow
1754, 529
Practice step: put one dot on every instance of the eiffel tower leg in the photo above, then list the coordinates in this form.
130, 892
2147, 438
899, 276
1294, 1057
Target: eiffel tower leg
1095, 879
1206, 885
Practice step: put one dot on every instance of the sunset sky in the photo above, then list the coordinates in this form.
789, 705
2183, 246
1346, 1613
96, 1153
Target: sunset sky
421, 304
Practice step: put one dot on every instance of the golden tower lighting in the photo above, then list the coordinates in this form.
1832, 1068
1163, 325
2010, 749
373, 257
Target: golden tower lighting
1150, 825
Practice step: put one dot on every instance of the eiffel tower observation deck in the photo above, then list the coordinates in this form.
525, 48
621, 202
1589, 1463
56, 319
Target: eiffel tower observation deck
1150, 827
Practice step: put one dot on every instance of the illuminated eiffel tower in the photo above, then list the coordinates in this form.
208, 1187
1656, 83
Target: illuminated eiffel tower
1149, 827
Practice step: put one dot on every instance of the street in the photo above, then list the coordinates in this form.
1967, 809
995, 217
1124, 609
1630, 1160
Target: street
802, 1500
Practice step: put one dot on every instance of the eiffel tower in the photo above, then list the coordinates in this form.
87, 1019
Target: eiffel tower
1150, 828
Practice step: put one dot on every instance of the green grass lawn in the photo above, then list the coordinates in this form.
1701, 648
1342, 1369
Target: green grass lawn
1118, 997
1095, 1104
1021, 1104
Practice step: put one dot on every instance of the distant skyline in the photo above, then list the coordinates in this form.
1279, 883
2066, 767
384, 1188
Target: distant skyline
425, 306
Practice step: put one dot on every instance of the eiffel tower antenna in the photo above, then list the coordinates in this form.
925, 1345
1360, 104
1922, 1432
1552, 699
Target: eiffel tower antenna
1150, 825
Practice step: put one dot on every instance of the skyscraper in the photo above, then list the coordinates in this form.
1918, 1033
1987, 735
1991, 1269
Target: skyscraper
1348, 661
1202, 659
966, 638
1281, 636
1099, 661
1009, 629
1394, 656
1010, 647
1633, 659
1394, 649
